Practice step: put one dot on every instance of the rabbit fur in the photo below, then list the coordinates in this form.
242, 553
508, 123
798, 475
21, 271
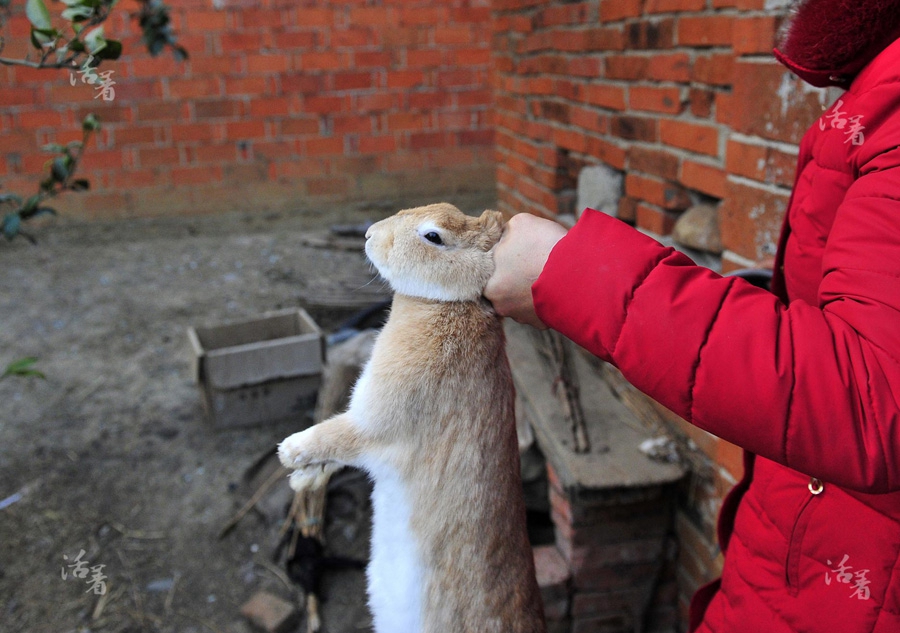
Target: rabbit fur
431, 419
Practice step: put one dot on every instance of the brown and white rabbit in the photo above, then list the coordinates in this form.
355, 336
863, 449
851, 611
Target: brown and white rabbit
432, 421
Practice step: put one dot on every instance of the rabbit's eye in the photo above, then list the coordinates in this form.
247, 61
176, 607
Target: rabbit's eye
433, 237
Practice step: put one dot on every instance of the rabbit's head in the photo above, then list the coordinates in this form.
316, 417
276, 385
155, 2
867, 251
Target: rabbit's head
435, 252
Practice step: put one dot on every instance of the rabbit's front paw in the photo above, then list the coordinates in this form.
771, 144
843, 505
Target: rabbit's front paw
311, 477
291, 451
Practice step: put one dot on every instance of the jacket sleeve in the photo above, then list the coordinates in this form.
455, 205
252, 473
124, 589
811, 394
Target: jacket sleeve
813, 387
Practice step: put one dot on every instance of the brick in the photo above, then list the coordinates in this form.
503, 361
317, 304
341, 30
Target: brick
602, 39
137, 135
653, 161
353, 80
627, 211
369, 16
453, 35
162, 111
287, 40
270, 106
672, 67
270, 612
760, 162
248, 41
352, 37
754, 34
750, 220
661, 193
217, 65
716, 70
655, 220
701, 102
634, 128
613, 10
205, 21
650, 34
266, 63
694, 137
310, 16
626, 67
781, 107
589, 119
405, 79
194, 87
705, 31
703, 178
218, 109
34, 119
673, 6
258, 17
195, 175
621, 602
158, 156
654, 99
193, 132
249, 129
552, 573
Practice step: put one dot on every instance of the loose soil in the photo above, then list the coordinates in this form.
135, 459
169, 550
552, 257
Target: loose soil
111, 456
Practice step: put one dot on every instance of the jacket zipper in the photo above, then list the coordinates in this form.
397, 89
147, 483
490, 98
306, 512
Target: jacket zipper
792, 564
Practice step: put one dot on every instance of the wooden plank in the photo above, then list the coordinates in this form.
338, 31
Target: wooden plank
608, 421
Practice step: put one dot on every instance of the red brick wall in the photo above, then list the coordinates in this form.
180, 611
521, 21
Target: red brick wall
684, 99
282, 105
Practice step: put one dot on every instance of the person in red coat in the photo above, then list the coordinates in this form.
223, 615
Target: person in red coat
806, 378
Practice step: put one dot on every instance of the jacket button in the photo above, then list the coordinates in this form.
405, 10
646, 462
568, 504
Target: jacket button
815, 486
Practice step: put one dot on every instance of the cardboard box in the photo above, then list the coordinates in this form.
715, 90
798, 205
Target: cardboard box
259, 370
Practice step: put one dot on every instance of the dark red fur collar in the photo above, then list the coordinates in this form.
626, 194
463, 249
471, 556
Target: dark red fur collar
827, 42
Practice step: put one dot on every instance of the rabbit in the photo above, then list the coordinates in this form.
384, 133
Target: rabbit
431, 419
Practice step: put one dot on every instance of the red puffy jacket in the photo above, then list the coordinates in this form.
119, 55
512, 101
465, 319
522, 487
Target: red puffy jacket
807, 380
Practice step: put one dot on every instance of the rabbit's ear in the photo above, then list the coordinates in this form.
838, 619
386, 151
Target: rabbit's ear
492, 224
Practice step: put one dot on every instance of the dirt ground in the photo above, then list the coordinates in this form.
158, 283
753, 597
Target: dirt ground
110, 454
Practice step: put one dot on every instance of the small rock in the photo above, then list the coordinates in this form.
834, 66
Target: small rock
270, 613
599, 187
698, 228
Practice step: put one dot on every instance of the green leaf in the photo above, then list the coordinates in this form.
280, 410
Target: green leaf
12, 223
40, 38
94, 41
77, 13
111, 50
31, 204
37, 14
81, 184
90, 123
23, 368
59, 170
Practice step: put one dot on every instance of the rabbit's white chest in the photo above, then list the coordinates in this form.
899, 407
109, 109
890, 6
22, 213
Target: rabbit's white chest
395, 571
